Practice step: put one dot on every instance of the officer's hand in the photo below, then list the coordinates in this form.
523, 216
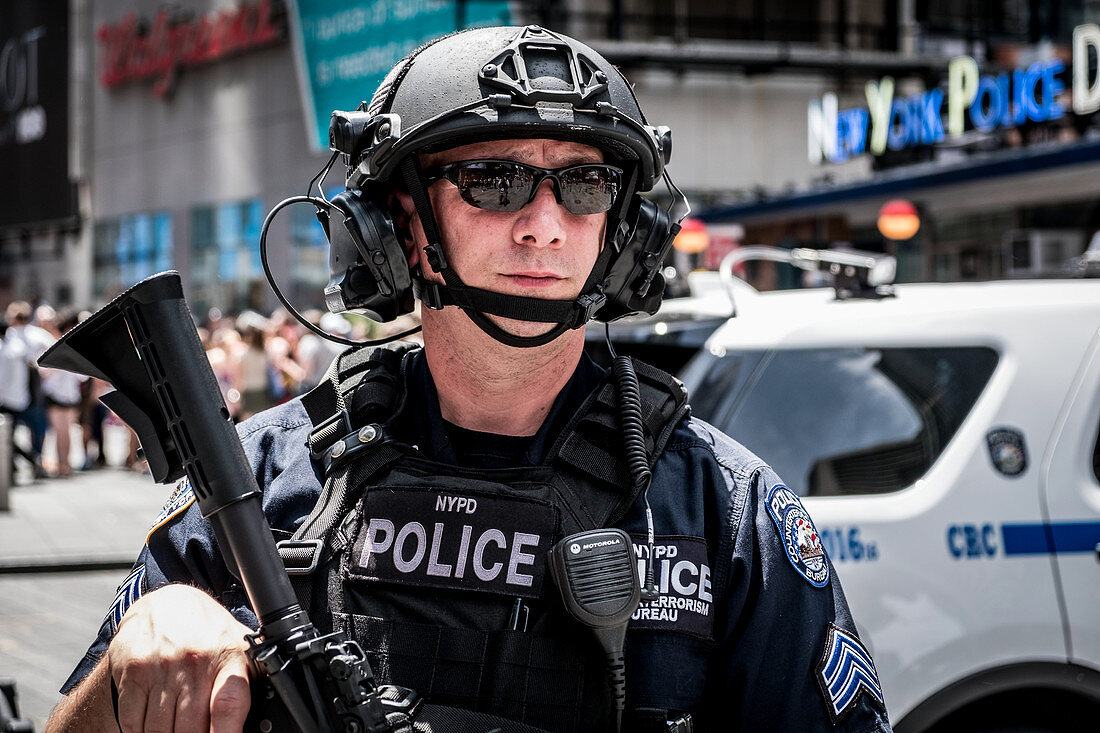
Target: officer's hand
180, 665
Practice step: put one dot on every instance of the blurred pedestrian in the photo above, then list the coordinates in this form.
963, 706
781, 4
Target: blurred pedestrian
46, 318
93, 415
255, 380
61, 391
284, 373
14, 394
224, 354
31, 341
315, 354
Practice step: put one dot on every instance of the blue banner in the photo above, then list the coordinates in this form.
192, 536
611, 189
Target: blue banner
343, 50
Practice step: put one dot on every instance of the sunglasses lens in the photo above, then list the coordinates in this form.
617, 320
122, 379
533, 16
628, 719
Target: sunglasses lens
505, 186
589, 189
495, 186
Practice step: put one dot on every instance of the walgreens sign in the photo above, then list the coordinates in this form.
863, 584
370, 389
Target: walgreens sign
136, 49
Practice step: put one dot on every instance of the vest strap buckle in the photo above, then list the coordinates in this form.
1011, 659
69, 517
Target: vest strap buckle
300, 557
327, 432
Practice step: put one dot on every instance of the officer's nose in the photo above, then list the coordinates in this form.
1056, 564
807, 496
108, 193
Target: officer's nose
541, 223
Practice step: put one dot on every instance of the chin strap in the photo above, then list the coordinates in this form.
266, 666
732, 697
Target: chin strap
477, 302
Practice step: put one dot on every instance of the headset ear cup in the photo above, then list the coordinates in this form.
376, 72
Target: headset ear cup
367, 266
634, 283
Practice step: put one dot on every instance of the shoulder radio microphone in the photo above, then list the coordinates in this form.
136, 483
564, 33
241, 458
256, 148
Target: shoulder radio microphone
595, 573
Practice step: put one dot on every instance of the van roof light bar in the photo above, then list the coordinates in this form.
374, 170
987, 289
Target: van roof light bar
856, 274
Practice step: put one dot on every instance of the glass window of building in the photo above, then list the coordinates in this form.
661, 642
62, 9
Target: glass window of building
737, 20
869, 421
861, 25
225, 256
1013, 21
129, 248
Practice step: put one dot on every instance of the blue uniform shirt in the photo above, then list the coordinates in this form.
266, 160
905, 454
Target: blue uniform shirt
751, 630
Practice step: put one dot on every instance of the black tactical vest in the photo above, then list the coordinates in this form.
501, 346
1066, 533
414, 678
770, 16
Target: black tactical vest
440, 571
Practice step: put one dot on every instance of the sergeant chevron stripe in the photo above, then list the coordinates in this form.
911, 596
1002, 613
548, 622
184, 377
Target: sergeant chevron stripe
847, 671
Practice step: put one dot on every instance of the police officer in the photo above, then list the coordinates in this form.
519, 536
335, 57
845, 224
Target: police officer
499, 168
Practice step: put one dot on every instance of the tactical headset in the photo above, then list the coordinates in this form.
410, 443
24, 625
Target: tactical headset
484, 84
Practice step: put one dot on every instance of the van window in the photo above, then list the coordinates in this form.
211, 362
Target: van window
841, 421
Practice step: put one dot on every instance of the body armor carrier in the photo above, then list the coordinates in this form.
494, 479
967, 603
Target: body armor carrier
440, 571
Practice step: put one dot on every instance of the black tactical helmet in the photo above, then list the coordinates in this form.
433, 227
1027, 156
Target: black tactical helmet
508, 82
494, 84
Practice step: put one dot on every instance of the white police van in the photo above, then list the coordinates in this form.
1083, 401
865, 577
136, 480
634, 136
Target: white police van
945, 438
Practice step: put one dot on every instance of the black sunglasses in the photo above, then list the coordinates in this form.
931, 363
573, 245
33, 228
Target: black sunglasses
505, 185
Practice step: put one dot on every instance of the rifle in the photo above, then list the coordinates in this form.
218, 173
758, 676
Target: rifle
145, 344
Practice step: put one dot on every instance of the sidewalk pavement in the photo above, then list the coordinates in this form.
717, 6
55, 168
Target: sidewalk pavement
96, 519
93, 518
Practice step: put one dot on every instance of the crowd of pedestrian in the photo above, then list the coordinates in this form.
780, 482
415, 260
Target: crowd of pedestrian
259, 361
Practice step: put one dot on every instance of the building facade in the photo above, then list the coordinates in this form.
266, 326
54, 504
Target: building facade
182, 125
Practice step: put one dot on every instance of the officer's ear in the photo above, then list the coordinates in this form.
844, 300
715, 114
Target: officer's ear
405, 218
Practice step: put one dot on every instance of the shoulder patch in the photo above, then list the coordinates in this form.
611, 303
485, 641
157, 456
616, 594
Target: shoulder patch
845, 673
180, 499
800, 537
131, 589
682, 573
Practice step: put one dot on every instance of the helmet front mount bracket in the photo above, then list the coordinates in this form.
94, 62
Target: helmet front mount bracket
535, 47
